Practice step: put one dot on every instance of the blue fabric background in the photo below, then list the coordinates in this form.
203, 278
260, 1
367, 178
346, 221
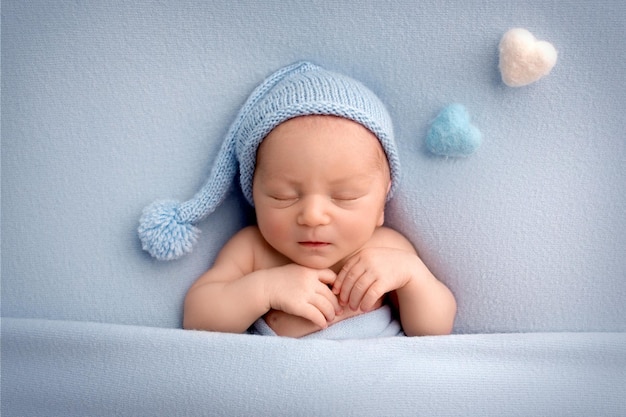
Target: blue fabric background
107, 106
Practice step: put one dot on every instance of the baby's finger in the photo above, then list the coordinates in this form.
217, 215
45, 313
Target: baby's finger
327, 276
337, 285
331, 298
359, 289
352, 276
312, 313
327, 307
373, 294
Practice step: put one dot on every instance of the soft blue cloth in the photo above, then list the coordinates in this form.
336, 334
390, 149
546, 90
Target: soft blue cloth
377, 323
107, 105
57, 368
114, 105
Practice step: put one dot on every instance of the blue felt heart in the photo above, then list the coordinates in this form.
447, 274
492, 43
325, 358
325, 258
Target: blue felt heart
452, 134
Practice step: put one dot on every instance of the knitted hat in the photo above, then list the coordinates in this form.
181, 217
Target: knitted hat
166, 227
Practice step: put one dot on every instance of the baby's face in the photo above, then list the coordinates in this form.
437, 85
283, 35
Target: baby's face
319, 189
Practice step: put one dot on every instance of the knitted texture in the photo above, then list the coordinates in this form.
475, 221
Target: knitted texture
297, 90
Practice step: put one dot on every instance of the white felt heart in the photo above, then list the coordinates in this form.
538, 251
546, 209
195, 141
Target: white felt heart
524, 59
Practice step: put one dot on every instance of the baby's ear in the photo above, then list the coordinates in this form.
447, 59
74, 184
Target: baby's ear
381, 219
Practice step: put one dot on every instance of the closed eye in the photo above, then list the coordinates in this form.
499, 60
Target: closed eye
283, 198
283, 201
346, 198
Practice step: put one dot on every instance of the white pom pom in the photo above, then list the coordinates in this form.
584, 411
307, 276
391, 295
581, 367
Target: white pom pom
162, 233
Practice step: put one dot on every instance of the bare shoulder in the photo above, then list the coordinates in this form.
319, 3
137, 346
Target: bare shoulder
387, 237
235, 259
250, 251
242, 245
247, 236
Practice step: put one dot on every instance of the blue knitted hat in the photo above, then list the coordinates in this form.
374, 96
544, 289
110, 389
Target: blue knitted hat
166, 227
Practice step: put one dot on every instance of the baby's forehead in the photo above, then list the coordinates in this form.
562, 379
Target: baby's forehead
355, 134
346, 148
366, 140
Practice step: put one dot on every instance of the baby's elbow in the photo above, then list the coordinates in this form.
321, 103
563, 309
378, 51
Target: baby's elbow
193, 316
446, 321
428, 331
189, 323
440, 325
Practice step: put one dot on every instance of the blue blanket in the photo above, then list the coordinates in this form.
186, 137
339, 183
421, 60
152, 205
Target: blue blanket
62, 368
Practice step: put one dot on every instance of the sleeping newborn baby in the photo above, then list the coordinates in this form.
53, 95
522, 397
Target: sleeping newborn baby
317, 160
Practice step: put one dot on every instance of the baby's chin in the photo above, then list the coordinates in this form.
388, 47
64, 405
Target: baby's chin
316, 265
333, 266
333, 261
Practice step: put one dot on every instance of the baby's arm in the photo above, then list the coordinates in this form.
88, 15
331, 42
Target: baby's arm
234, 293
426, 306
229, 296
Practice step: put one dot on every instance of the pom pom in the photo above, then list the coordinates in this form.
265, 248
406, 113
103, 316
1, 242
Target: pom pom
524, 59
452, 134
163, 234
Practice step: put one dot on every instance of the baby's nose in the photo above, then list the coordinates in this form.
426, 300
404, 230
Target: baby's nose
314, 211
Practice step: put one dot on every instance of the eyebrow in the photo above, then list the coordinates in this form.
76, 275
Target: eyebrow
276, 176
355, 178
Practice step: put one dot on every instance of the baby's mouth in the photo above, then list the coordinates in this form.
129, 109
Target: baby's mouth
313, 244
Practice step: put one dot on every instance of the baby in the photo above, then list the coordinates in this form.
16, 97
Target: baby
317, 160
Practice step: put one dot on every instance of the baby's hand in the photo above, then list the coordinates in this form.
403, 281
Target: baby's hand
372, 273
303, 292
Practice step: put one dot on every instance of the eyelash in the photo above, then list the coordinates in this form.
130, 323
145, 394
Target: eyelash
345, 198
283, 198
337, 200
